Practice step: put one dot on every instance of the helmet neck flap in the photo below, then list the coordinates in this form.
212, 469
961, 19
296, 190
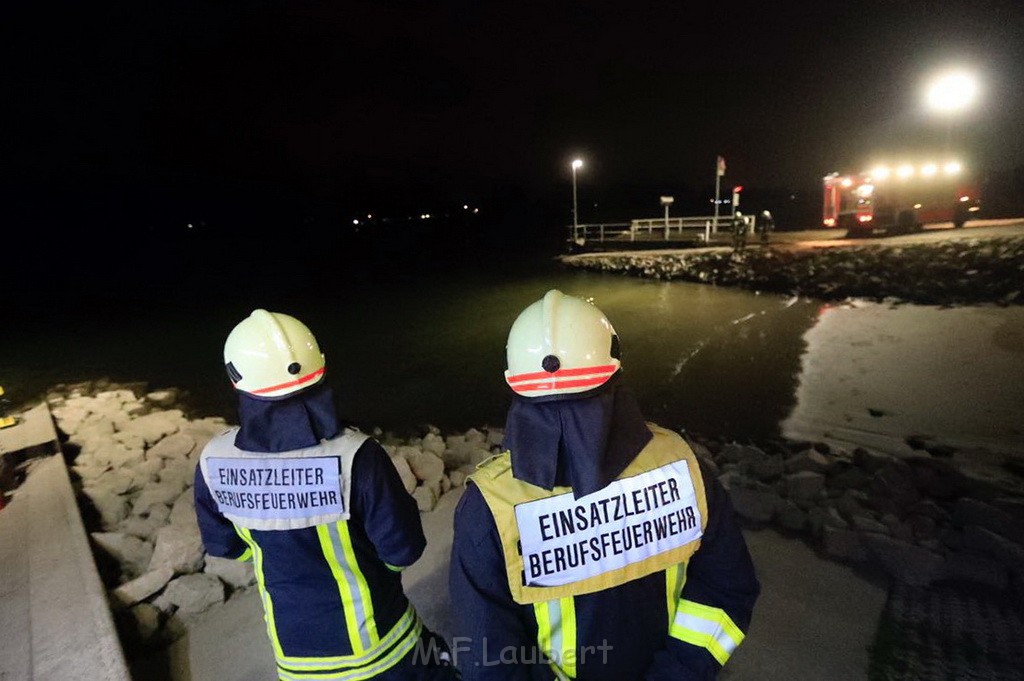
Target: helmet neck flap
582, 443
295, 422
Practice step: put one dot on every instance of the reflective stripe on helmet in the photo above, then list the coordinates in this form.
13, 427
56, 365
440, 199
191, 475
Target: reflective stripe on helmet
561, 380
291, 384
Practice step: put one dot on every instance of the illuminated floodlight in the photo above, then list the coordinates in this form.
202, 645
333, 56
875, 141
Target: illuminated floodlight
952, 168
905, 171
880, 173
929, 169
952, 91
577, 164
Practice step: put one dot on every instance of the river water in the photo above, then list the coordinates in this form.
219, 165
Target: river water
406, 351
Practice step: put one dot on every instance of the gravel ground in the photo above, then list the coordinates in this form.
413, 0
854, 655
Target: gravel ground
948, 632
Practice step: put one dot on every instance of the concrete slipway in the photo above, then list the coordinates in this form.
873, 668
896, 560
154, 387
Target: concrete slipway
53, 609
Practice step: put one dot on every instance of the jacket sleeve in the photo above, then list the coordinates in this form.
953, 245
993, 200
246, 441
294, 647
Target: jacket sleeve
717, 599
487, 620
218, 533
390, 516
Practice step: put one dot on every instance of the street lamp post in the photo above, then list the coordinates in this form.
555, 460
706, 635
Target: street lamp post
576, 165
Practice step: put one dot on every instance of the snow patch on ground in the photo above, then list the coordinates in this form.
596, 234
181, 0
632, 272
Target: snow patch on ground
873, 374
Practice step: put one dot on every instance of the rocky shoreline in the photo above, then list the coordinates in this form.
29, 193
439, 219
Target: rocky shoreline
941, 273
938, 514
935, 515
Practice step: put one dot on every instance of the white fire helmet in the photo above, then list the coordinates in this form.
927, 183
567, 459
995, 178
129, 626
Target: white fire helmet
270, 355
560, 345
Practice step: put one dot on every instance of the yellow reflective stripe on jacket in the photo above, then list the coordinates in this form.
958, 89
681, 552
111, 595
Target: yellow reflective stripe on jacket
556, 634
247, 554
706, 627
268, 604
352, 587
407, 627
675, 579
387, 661
395, 645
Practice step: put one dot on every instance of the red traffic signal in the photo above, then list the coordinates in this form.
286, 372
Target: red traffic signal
737, 189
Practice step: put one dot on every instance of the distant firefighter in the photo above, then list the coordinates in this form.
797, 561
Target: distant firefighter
765, 226
739, 232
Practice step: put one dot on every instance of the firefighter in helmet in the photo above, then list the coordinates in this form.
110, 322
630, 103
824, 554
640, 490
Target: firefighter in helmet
319, 509
597, 546
765, 226
739, 231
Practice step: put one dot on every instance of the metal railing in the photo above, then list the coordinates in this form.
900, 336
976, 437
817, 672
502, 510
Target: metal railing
699, 228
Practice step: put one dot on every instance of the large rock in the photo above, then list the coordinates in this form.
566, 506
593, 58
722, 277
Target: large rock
804, 486
157, 493
405, 473
843, 544
131, 553
767, 469
130, 440
194, 594
791, 516
989, 482
143, 528
737, 453
163, 398
177, 446
184, 510
147, 620
968, 511
906, 563
895, 481
434, 443
848, 477
471, 448
457, 478
145, 472
235, 573
810, 460
495, 436
869, 461
426, 497
980, 540
426, 466
177, 474
153, 427
178, 547
114, 481
819, 518
755, 505
111, 507
141, 588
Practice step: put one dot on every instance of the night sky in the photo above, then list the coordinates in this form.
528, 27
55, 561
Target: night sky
381, 105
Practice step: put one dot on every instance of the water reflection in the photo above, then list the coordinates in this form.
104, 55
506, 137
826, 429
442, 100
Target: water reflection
431, 349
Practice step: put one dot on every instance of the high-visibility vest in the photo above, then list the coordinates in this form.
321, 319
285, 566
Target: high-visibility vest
281, 490
650, 519
298, 490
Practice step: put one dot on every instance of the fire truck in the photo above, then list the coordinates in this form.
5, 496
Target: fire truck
899, 200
